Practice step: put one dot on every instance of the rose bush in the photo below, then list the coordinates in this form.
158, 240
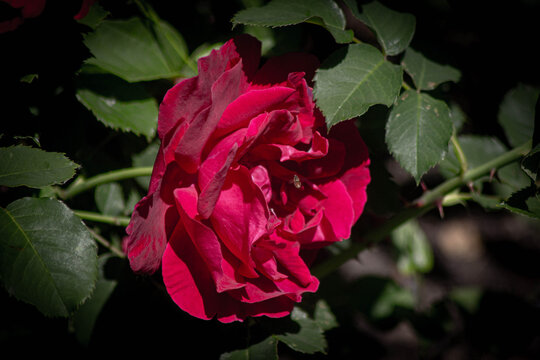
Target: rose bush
246, 187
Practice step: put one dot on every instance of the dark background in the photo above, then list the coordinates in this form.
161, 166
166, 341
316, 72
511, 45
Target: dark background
493, 45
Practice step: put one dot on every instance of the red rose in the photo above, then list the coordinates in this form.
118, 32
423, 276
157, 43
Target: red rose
246, 186
29, 9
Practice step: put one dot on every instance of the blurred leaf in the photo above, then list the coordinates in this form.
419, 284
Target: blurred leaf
147, 157
414, 251
95, 16
290, 12
265, 350
514, 176
531, 163
28, 78
27, 166
133, 198
458, 117
309, 339
352, 79
87, 314
516, 113
524, 202
477, 149
427, 74
118, 104
48, 257
391, 297
394, 30
418, 131
467, 297
110, 199
128, 49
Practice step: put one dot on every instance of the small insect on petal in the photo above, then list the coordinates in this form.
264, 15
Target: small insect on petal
296, 182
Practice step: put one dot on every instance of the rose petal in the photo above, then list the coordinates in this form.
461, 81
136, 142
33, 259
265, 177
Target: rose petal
240, 216
224, 90
338, 208
249, 105
205, 241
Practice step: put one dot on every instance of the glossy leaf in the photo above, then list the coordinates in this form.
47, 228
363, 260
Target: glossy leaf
290, 12
516, 113
427, 74
265, 350
128, 49
418, 131
86, 316
110, 199
414, 251
48, 257
118, 104
353, 79
27, 166
394, 30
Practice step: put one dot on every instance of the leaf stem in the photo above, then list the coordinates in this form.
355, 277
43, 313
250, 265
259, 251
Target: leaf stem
100, 239
106, 219
459, 154
80, 185
422, 205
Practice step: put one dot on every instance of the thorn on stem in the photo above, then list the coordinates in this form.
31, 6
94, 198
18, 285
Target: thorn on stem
440, 207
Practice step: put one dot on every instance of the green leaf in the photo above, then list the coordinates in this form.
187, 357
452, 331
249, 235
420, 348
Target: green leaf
324, 316
265, 350
352, 79
48, 257
414, 251
110, 199
427, 74
524, 202
87, 314
516, 113
467, 297
418, 131
27, 166
95, 16
290, 12
394, 30
129, 49
531, 163
309, 339
391, 297
172, 44
118, 104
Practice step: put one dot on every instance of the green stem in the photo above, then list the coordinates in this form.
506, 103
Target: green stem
459, 154
100, 239
106, 219
80, 185
425, 203
405, 86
